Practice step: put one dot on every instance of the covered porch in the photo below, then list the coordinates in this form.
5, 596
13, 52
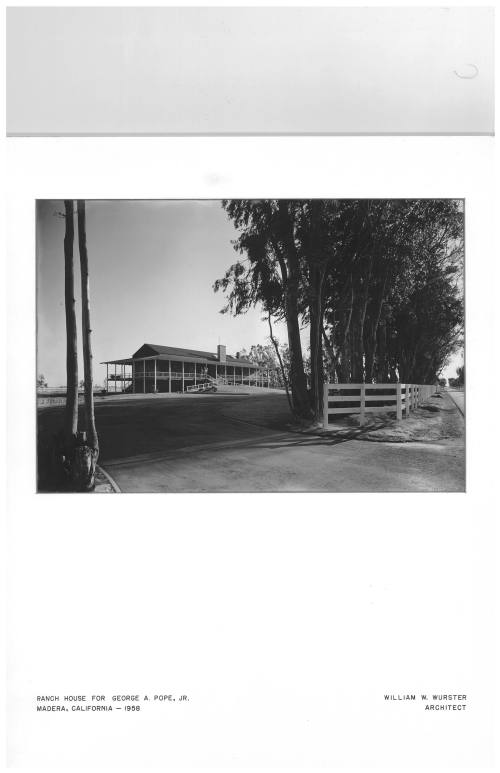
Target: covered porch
162, 374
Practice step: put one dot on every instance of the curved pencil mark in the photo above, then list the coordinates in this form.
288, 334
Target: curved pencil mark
472, 75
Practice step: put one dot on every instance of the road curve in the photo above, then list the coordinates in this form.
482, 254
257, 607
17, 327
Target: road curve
238, 443
458, 398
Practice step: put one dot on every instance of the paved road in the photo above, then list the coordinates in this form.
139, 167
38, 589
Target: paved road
237, 443
458, 398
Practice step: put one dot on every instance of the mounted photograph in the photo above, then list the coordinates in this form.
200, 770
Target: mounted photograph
245, 345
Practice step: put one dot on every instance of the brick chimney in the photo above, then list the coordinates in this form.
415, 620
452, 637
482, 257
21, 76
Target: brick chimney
221, 353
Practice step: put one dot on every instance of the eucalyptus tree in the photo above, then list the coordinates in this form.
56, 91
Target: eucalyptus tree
410, 250
71, 410
90, 449
76, 452
269, 276
378, 283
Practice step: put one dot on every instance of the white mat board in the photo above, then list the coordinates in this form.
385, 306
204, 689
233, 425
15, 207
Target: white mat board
293, 70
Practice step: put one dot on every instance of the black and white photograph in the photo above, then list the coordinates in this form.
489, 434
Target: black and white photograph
249, 268
250, 345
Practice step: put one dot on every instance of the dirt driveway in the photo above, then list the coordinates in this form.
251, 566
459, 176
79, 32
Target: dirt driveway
240, 443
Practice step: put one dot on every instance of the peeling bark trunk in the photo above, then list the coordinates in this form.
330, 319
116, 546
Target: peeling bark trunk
332, 356
316, 325
369, 358
89, 458
345, 352
297, 375
280, 360
71, 412
382, 369
372, 346
361, 376
300, 397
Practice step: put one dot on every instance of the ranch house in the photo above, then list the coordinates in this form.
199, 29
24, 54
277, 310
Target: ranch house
169, 369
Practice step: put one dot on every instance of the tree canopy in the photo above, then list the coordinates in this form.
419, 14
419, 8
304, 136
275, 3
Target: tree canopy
378, 283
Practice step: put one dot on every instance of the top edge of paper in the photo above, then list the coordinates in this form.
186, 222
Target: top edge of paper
167, 71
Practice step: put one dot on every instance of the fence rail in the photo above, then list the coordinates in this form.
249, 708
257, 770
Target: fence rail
374, 398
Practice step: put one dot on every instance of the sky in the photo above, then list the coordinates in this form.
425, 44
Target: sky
152, 265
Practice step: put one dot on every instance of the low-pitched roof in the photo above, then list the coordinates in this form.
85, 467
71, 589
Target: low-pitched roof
173, 352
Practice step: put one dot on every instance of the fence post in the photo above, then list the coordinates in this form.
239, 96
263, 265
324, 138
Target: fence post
326, 387
399, 412
362, 404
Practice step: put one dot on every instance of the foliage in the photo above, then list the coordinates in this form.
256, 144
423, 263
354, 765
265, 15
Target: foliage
459, 381
378, 283
266, 357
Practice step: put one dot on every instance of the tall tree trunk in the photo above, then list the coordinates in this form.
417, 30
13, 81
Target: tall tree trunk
359, 360
92, 441
382, 364
334, 372
369, 358
71, 413
356, 356
345, 350
372, 340
280, 360
298, 380
316, 347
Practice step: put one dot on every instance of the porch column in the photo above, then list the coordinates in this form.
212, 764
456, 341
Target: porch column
195, 374
183, 375
123, 378
144, 376
133, 377
115, 377
107, 377
154, 388
169, 375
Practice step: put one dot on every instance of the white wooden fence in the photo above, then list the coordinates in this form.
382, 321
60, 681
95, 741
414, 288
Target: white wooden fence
373, 398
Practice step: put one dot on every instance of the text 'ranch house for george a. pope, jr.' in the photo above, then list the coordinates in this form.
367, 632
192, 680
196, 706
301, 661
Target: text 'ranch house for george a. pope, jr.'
169, 369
